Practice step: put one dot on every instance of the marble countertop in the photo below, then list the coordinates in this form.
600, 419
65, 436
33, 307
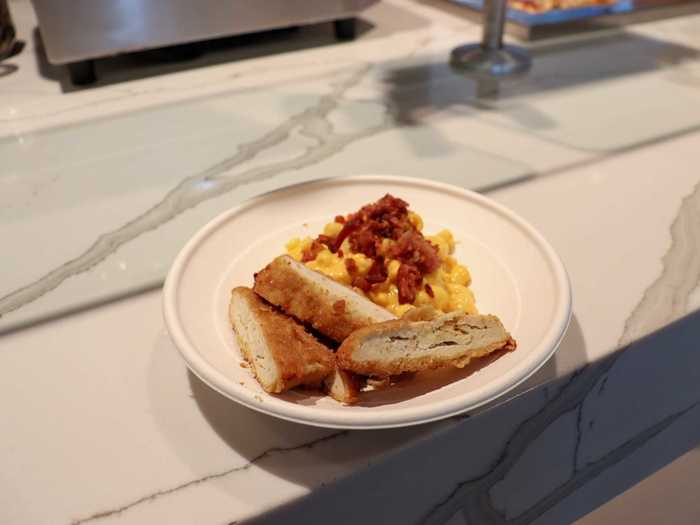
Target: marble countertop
105, 424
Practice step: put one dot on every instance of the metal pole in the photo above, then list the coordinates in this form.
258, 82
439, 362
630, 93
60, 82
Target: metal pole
494, 16
7, 31
490, 57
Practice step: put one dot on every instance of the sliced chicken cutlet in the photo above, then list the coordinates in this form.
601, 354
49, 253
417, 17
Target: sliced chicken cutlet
331, 308
395, 347
281, 353
343, 386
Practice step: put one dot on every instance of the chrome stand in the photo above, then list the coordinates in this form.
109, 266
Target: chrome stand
491, 58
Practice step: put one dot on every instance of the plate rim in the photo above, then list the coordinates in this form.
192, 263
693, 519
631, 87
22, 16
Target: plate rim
216, 380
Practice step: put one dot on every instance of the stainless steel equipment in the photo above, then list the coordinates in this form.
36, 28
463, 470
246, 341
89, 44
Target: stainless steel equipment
78, 31
491, 58
7, 31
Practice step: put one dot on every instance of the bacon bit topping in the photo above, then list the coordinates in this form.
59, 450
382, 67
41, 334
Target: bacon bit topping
377, 272
339, 307
365, 230
342, 235
412, 248
408, 279
362, 283
351, 266
310, 253
356, 280
388, 217
364, 241
429, 290
325, 239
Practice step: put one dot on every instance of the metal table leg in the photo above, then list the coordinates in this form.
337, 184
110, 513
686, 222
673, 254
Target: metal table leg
491, 57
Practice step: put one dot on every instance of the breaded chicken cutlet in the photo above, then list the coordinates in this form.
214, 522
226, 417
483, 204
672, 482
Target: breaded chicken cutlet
394, 347
281, 353
343, 386
331, 308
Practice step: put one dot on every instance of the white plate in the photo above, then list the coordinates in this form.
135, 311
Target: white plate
516, 275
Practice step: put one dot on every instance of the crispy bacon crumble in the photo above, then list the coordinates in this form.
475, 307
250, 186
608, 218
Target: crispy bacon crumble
388, 218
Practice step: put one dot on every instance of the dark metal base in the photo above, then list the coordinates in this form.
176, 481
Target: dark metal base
345, 29
503, 62
82, 73
175, 54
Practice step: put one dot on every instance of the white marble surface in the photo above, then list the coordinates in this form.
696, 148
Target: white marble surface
139, 162
105, 424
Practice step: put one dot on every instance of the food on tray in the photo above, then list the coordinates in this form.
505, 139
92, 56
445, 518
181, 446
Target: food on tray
343, 386
281, 353
348, 285
394, 347
543, 6
381, 251
329, 307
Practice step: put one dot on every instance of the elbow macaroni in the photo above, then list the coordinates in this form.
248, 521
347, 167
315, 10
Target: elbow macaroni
449, 283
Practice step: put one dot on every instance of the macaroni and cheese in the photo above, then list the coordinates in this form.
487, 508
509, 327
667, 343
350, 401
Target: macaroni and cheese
382, 251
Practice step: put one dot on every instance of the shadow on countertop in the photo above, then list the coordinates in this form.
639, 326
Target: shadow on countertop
622, 401
416, 89
621, 408
240, 428
299, 453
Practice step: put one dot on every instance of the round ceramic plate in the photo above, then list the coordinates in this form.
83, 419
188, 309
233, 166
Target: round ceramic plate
515, 274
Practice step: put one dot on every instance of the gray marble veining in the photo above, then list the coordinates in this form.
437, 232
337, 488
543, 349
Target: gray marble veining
409, 86
664, 301
215, 181
598, 419
472, 496
109, 513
